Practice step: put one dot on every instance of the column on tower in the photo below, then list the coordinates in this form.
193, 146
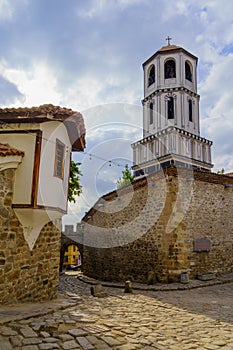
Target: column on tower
145, 122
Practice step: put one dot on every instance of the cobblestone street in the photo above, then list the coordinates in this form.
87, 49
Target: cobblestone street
201, 318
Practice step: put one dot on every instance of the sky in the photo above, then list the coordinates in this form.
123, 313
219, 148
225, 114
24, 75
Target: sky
87, 55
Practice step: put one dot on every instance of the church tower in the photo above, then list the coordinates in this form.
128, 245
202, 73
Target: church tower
171, 122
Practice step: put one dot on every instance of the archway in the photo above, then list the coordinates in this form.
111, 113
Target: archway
68, 242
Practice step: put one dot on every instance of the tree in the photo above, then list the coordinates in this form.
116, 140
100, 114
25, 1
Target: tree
75, 188
126, 179
222, 171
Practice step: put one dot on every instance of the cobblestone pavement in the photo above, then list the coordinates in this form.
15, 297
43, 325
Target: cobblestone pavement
177, 320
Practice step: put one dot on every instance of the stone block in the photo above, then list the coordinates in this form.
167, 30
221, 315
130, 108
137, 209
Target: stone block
28, 332
206, 276
128, 287
151, 278
97, 291
5, 344
85, 344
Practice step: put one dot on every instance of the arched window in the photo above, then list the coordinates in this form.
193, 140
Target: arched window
188, 71
170, 108
151, 77
190, 111
151, 112
170, 69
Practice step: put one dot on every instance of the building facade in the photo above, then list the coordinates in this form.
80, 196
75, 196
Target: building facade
35, 153
171, 122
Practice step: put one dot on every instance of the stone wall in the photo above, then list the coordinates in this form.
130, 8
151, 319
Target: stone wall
25, 275
154, 224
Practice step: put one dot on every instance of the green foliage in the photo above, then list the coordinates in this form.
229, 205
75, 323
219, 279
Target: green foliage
222, 171
75, 189
126, 179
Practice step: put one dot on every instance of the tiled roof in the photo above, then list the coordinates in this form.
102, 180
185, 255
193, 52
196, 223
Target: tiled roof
72, 120
169, 47
6, 150
25, 112
229, 174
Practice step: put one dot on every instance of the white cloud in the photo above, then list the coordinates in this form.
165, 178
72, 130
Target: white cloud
9, 7
38, 84
99, 7
127, 3
216, 89
6, 9
96, 9
217, 111
89, 91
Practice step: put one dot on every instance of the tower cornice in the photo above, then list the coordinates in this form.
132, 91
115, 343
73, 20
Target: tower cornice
169, 130
166, 90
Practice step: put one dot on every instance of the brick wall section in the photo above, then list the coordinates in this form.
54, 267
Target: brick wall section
162, 222
25, 275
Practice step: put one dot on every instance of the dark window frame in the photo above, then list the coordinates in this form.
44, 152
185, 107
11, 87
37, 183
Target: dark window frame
190, 110
170, 69
151, 106
188, 71
59, 162
151, 76
170, 108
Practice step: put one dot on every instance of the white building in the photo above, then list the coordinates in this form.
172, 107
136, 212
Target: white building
42, 138
171, 122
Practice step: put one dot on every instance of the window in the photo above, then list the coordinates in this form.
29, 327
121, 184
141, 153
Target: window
151, 78
170, 69
190, 111
59, 159
151, 112
170, 108
188, 71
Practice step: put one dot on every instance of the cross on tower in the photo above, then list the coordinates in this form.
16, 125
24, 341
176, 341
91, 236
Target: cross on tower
168, 40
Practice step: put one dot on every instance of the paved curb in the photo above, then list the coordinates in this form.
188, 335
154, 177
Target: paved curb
16, 312
161, 286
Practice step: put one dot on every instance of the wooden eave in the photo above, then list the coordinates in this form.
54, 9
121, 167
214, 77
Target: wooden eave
72, 120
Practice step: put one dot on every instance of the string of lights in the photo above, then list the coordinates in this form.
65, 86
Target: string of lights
91, 155
111, 162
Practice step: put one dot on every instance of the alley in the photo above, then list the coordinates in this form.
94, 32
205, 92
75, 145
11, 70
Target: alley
199, 319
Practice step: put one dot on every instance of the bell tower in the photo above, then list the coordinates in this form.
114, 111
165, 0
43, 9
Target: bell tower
171, 122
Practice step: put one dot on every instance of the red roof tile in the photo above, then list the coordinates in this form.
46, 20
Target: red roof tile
229, 174
25, 112
6, 150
